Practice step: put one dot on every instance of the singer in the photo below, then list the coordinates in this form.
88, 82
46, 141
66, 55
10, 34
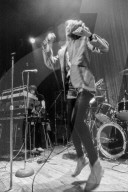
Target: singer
80, 41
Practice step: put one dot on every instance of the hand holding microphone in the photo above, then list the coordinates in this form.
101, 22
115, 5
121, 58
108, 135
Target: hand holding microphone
49, 39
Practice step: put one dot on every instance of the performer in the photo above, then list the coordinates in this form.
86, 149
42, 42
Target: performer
37, 116
70, 93
80, 41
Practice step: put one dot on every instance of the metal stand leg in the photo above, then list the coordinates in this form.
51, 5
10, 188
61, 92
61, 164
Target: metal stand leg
34, 132
55, 126
47, 138
65, 126
54, 104
30, 138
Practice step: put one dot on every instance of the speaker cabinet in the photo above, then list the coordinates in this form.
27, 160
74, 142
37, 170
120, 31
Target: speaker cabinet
5, 135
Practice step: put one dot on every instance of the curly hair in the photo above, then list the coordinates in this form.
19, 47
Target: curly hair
72, 25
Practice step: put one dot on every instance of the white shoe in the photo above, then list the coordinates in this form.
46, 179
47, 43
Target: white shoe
81, 163
40, 149
94, 177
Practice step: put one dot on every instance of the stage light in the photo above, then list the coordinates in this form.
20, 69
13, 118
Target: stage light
32, 40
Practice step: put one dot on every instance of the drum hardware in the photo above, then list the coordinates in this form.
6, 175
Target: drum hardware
122, 106
122, 110
112, 140
105, 113
111, 132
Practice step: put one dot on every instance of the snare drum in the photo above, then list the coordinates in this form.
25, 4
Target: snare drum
122, 110
105, 113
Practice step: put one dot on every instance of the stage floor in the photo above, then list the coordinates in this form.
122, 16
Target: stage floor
55, 174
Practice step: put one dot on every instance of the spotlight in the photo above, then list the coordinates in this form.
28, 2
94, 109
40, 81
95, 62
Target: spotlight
32, 40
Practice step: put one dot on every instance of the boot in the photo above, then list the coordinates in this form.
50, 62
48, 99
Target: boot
94, 177
81, 163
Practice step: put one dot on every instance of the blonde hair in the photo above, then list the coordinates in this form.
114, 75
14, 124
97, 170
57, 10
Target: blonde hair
71, 25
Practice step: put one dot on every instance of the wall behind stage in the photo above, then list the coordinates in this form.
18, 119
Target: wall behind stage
111, 22
107, 18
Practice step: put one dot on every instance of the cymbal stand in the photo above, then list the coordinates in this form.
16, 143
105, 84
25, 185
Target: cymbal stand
125, 95
106, 99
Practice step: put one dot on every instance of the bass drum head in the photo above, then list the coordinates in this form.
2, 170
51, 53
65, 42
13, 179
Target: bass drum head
111, 140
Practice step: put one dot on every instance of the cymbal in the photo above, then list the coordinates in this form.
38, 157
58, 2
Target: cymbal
125, 72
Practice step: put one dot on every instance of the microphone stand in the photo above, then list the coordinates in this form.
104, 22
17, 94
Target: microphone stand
25, 172
11, 120
55, 102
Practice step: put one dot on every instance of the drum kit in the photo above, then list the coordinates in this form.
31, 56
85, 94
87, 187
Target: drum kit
111, 127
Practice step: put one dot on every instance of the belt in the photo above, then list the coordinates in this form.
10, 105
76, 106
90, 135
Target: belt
82, 89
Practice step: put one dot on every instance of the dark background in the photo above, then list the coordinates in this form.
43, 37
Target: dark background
20, 19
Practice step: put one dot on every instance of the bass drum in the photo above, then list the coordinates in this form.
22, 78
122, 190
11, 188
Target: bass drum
111, 140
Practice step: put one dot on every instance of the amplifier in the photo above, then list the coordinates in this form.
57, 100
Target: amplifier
19, 101
18, 124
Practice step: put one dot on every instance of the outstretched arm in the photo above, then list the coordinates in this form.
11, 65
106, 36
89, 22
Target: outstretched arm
49, 58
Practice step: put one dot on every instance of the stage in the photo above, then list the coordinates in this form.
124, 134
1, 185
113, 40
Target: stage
54, 174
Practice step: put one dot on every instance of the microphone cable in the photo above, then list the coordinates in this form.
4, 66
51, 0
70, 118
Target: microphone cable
41, 168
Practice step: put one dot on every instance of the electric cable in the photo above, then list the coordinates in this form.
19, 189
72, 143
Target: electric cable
40, 169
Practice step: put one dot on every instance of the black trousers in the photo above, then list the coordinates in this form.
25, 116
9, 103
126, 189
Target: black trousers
81, 133
70, 110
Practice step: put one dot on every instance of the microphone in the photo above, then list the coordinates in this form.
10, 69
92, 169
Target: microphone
31, 70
